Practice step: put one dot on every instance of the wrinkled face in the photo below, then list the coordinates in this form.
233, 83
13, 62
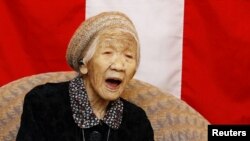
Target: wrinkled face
112, 65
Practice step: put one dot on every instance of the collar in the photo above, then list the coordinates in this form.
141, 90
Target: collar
83, 114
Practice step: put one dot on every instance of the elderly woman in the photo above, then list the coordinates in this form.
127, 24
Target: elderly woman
105, 52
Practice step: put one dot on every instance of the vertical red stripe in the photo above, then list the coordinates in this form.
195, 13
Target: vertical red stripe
34, 35
216, 58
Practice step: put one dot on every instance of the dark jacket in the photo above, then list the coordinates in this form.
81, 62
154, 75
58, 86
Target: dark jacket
47, 116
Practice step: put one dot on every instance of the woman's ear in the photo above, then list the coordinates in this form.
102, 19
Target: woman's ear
83, 69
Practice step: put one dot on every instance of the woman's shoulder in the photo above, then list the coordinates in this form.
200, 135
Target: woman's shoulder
136, 122
48, 102
48, 91
132, 110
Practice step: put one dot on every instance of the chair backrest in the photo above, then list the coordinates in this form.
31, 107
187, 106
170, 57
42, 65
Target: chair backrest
171, 118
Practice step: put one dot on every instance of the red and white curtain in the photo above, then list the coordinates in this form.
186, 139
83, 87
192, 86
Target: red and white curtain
197, 50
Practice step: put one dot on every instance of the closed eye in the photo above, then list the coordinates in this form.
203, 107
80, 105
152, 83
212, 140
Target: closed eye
129, 56
107, 52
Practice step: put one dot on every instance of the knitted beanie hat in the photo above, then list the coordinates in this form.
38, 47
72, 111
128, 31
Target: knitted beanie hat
90, 27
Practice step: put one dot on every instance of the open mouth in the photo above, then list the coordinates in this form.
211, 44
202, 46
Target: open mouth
113, 83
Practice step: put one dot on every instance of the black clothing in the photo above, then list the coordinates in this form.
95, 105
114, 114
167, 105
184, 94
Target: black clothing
47, 116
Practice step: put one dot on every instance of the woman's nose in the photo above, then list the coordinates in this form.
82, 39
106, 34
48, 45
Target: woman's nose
118, 64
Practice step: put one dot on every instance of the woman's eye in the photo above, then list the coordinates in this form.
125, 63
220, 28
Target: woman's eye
107, 52
129, 56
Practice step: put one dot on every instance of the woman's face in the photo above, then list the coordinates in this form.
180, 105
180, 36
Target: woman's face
112, 65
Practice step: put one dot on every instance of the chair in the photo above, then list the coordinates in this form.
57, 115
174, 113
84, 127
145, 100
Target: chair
171, 118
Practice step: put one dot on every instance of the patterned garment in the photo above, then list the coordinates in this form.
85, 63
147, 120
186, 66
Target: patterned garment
82, 112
